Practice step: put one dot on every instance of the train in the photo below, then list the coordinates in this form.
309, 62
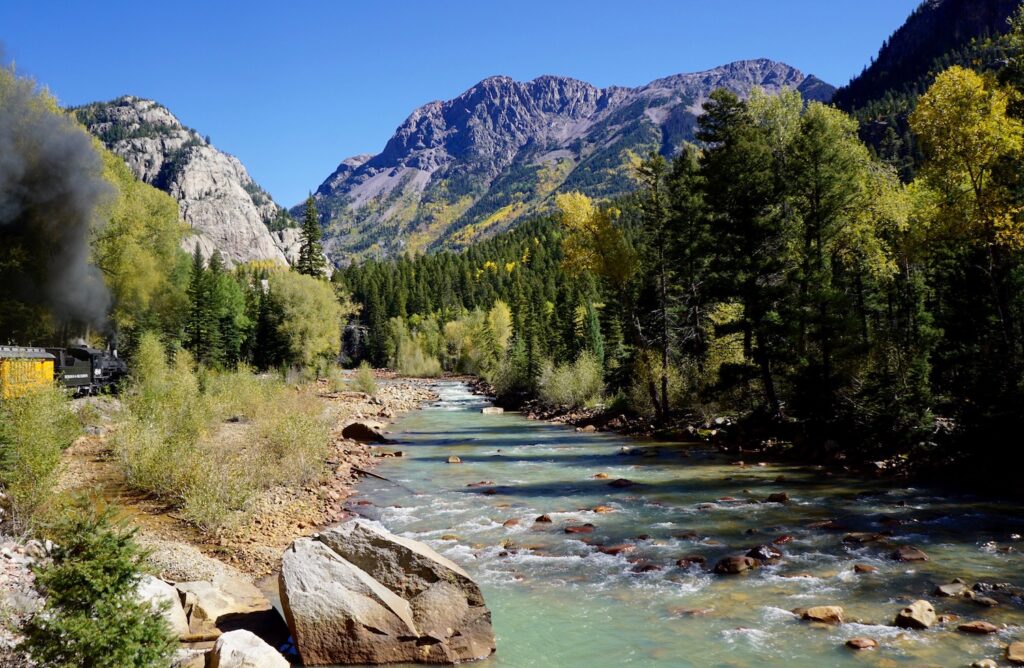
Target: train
81, 369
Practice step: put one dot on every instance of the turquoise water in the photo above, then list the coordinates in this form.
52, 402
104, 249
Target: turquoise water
558, 601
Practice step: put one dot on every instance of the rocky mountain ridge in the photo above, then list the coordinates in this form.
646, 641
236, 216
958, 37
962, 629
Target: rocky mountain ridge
463, 169
225, 208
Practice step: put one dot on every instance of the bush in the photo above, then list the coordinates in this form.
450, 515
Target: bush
363, 381
92, 616
572, 385
210, 443
34, 430
647, 370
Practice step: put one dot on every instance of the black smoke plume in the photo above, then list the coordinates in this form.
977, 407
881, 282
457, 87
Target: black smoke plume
51, 191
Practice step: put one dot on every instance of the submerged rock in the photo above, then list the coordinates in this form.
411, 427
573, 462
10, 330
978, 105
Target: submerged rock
736, 565
861, 569
862, 643
357, 594
917, 615
777, 497
492, 410
244, 649
909, 553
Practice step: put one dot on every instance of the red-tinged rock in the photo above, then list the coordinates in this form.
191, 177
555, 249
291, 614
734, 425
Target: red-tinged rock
978, 628
782, 540
862, 569
580, 528
692, 559
543, 519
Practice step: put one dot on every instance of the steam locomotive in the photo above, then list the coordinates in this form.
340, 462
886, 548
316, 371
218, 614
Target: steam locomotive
81, 369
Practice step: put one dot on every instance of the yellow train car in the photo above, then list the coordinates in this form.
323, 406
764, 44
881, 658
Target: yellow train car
23, 369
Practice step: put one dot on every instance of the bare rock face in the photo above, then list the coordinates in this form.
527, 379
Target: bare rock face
358, 595
225, 208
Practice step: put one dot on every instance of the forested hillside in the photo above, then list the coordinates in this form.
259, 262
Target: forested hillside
779, 274
938, 35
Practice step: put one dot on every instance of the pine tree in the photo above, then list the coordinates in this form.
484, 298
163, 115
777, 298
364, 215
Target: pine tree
311, 252
201, 327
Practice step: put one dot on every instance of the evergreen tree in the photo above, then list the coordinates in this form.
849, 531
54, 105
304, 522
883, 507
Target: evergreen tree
311, 252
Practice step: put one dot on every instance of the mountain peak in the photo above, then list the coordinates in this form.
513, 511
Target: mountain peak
470, 166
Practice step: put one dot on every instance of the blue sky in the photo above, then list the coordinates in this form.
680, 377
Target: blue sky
293, 87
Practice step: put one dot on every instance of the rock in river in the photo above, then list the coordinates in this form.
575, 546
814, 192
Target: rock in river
862, 643
736, 565
979, 628
909, 553
917, 615
357, 594
825, 614
1015, 653
952, 589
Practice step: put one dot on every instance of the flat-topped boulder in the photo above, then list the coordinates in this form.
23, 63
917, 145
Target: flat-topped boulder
356, 594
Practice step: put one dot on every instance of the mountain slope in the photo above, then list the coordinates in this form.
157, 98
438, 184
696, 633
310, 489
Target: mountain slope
937, 35
462, 169
225, 208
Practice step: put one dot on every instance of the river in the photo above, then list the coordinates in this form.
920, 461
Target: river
558, 601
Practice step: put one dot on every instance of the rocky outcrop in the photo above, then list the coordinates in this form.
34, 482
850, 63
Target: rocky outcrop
243, 649
357, 594
464, 168
225, 208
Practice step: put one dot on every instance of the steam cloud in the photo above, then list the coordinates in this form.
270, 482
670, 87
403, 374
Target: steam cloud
50, 190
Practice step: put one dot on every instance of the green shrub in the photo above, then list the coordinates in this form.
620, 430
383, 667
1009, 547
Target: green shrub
92, 616
647, 370
363, 381
572, 385
216, 440
34, 430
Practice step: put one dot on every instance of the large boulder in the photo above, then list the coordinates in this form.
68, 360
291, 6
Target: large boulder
244, 649
359, 595
364, 432
917, 615
162, 596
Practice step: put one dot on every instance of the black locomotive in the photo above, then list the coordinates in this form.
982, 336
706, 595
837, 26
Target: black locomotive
87, 370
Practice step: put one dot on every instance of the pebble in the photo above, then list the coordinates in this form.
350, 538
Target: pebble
862, 643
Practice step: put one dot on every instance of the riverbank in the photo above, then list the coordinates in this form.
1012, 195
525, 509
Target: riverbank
180, 551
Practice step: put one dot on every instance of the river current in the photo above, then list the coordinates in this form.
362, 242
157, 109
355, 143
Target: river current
558, 601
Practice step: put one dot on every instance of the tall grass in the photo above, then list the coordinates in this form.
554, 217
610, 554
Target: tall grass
210, 443
34, 430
